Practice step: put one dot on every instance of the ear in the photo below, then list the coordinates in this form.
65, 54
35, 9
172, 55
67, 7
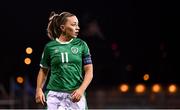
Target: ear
62, 27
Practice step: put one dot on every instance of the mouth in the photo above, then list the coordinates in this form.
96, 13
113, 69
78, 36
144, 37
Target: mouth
76, 33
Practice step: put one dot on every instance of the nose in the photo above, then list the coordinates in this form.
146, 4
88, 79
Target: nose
77, 27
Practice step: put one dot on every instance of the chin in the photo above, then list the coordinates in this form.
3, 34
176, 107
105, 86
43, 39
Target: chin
74, 36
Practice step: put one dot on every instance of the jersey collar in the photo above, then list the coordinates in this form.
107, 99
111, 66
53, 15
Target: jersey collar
63, 42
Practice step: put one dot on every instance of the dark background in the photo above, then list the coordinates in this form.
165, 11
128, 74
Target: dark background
142, 35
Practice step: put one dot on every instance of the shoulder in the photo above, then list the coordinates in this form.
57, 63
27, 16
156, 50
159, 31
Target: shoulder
50, 43
79, 41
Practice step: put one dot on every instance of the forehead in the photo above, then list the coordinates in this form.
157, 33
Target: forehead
72, 19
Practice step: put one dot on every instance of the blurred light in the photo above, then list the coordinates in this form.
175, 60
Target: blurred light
19, 79
146, 77
156, 88
29, 50
123, 88
140, 88
27, 61
172, 88
129, 67
114, 46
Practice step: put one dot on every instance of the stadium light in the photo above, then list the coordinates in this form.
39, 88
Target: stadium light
27, 61
172, 88
123, 87
146, 77
20, 79
156, 88
29, 50
140, 88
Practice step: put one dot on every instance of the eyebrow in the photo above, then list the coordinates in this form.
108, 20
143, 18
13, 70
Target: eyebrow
75, 23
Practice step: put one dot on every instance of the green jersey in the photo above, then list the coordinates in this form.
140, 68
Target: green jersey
65, 63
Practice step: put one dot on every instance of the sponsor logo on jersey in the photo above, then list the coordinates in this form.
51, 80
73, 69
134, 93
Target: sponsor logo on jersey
74, 50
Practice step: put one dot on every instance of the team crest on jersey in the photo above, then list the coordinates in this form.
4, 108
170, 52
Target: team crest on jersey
74, 50
56, 50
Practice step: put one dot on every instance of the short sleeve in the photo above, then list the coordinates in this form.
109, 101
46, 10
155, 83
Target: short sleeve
86, 51
45, 59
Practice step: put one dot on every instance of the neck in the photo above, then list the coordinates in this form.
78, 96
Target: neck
64, 38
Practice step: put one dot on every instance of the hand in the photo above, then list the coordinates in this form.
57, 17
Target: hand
76, 95
40, 98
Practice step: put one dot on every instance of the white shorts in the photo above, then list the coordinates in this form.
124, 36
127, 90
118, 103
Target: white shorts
62, 101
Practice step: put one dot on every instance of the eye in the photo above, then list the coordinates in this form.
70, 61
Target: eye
75, 24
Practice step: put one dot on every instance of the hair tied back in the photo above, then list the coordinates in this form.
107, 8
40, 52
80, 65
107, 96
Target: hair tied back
53, 14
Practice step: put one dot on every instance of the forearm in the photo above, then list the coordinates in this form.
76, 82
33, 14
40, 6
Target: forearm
88, 76
41, 79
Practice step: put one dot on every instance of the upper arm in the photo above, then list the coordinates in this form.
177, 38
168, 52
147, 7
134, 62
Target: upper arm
88, 67
44, 71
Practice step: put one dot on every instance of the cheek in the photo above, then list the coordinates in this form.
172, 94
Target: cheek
69, 30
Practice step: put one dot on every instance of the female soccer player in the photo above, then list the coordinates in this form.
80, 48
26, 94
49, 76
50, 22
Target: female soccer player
68, 60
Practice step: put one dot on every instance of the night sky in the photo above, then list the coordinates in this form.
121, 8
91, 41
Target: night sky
141, 34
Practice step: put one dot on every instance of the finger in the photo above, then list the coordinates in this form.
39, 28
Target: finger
37, 100
41, 100
73, 98
79, 97
44, 98
73, 95
76, 100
